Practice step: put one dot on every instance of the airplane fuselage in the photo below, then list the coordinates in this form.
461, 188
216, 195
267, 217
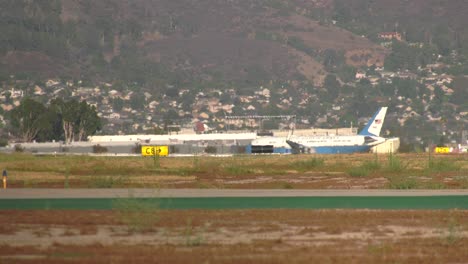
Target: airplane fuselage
334, 144
367, 138
323, 144
320, 141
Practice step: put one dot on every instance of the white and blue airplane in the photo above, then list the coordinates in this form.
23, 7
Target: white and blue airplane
367, 138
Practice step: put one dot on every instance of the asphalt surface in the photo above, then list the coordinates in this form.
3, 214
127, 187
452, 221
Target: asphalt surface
37, 193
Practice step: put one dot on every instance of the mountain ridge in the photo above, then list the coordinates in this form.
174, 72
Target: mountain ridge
98, 37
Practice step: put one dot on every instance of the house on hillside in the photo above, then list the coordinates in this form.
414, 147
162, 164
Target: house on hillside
114, 94
390, 36
114, 116
203, 115
246, 99
153, 104
251, 108
447, 90
38, 90
263, 92
16, 93
406, 75
360, 75
51, 83
6, 107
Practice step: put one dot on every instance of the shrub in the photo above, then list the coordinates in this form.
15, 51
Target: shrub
138, 214
3, 142
453, 233
211, 149
365, 169
99, 149
402, 183
106, 182
191, 238
19, 148
310, 164
136, 149
359, 172
372, 165
442, 165
236, 169
173, 149
394, 164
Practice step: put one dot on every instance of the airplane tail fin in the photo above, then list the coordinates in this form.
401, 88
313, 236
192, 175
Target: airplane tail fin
292, 126
374, 125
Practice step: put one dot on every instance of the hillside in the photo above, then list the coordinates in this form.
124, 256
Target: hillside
440, 23
242, 42
160, 41
146, 63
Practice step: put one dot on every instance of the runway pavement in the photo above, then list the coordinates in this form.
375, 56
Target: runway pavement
108, 199
38, 193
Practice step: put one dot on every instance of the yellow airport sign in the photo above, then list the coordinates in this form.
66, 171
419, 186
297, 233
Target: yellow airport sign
442, 150
154, 150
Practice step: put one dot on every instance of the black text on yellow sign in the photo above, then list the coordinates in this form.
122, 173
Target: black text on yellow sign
154, 150
442, 150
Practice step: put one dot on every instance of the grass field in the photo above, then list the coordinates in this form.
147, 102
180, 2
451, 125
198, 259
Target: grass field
149, 235
131, 231
398, 171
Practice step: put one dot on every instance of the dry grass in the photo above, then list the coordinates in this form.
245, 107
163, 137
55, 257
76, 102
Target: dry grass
238, 236
249, 171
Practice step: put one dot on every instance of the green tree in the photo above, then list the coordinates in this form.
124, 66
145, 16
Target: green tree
270, 109
387, 89
346, 73
88, 121
406, 87
171, 115
137, 101
439, 95
460, 91
8, 99
68, 113
117, 104
172, 92
332, 86
28, 118
52, 129
333, 59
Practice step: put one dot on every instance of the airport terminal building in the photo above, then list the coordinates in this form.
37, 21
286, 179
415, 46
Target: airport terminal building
189, 144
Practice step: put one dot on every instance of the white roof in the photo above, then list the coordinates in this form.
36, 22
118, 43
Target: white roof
173, 138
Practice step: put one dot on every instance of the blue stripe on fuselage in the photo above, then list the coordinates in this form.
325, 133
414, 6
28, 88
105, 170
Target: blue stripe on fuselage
338, 149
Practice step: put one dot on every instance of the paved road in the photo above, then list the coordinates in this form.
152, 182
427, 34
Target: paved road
199, 193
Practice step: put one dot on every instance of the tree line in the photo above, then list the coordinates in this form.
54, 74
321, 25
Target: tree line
60, 120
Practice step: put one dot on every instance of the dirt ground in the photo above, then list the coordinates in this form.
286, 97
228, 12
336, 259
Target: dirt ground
307, 180
234, 236
131, 233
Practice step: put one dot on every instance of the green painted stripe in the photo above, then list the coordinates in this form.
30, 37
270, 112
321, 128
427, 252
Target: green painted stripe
379, 202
